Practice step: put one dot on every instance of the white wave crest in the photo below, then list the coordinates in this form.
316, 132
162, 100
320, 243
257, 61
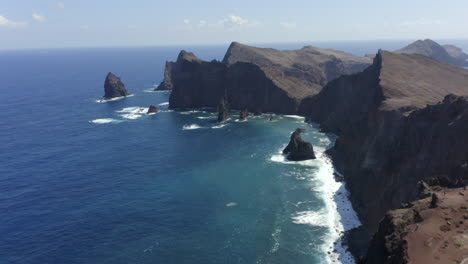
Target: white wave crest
113, 99
191, 127
103, 121
165, 103
310, 218
219, 126
294, 116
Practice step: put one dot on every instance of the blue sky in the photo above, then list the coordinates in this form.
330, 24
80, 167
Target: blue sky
83, 23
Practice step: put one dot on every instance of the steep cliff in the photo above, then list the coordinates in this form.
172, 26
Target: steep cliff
113, 87
424, 231
389, 137
447, 53
255, 79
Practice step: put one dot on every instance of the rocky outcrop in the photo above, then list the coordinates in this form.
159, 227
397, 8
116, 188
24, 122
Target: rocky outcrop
152, 109
421, 234
166, 84
243, 115
396, 126
223, 111
256, 79
447, 53
298, 149
113, 87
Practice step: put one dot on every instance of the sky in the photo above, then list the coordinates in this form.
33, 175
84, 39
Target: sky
98, 23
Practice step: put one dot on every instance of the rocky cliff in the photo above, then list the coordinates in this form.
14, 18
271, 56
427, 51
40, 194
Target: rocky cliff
256, 79
396, 127
429, 230
447, 53
113, 87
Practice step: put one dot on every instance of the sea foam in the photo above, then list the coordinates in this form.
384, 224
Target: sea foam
113, 99
103, 121
191, 127
338, 214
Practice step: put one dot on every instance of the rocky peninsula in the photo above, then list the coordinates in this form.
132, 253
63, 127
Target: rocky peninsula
256, 79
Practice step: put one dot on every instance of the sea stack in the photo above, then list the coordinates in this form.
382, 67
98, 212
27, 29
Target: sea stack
223, 111
113, 87
298, 149
152, 109
243, 115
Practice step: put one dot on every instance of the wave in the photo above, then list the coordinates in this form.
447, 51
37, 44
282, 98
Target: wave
113, 99
220, 126
103, 121
133, 112
131, 116
206, 117
191, 127
310, 218
151, 90
231, 204
338, 214
165, 103
294, 116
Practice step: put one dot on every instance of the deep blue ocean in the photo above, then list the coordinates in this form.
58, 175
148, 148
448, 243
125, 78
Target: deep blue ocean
83, 181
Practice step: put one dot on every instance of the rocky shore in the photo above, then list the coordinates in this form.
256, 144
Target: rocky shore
401, 121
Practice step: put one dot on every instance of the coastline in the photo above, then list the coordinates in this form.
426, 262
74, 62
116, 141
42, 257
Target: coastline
338, 212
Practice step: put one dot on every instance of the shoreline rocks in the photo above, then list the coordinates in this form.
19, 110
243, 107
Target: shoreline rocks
243, 115
114, 87
298, 149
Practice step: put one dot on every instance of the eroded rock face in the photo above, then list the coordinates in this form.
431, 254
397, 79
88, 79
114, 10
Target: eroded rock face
396, 126
298, 149
259, 80
152, 109
113, 87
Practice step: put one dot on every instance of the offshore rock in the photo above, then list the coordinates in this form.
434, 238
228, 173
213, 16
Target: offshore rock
243, 115
152, 109
223, 111
113, 87
298, 149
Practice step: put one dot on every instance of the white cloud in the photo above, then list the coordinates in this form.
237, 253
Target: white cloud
423, 22
202, 23
60, 5
38, 17
186, 21
288, 25
233, 21
5, 22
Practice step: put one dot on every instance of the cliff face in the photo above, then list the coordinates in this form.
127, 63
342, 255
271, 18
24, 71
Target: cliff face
259, 80
389, 139
424, 232
447, 53
113, 87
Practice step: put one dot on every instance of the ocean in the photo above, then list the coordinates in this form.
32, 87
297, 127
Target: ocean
85, 181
